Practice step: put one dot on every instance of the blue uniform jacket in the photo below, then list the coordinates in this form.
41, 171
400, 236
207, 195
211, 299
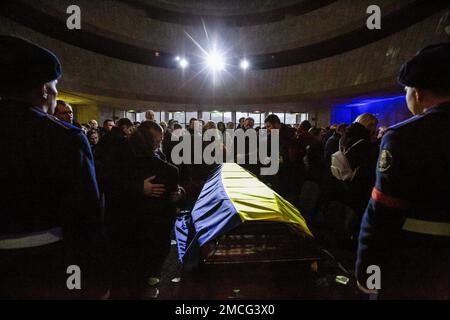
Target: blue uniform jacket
405, 228
48, 179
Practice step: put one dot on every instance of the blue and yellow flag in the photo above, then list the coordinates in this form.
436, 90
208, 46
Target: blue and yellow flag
230, 197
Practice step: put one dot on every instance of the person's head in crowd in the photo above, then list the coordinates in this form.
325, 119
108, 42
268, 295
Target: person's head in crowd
93, 137
317, 133
192, 122
63, 111
370, 122
157, 132
126, 126
29, 73
381, 132
221, 126
304, 127
209, 125
163, 125
355, 132
146, 139
171, 123
341, 128
85, 127
249, 123
108, 124
230, 125
93, 124
426, 78
150, 115
272, 122
177, 126
323, 132
241, 123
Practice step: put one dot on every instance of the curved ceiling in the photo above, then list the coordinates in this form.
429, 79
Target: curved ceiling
110, 79
221, 7
52, 26
262, 12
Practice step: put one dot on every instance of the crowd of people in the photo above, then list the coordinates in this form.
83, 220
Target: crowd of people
109, 195
305, 155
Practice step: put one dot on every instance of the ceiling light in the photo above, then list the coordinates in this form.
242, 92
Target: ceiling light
215, 61
244, 64
183, 63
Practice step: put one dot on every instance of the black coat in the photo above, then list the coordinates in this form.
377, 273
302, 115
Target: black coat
124, 180
331, 147
139, 227
364, 157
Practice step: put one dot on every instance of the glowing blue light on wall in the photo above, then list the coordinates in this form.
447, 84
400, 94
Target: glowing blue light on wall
389, 110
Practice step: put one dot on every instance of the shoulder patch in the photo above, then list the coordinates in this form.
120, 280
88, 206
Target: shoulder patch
385, 161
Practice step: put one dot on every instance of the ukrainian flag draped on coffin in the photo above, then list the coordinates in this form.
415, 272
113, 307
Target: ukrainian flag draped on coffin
230, 197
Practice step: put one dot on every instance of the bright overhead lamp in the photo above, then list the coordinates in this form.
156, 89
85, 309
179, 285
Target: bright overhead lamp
183, 63
244, 64
215, 61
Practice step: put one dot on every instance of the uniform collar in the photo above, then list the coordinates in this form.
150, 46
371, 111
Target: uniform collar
442, 107
18, 106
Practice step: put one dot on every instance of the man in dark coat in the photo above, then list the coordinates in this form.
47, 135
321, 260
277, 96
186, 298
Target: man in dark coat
141, 212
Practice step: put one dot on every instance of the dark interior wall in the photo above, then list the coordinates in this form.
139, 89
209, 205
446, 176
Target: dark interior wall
388, 110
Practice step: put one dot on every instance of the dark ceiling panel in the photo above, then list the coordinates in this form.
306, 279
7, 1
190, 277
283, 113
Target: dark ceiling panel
49, 25
250, 19
357, 38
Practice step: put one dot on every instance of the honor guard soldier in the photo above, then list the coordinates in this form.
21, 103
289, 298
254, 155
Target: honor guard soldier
51, 237
405, 231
